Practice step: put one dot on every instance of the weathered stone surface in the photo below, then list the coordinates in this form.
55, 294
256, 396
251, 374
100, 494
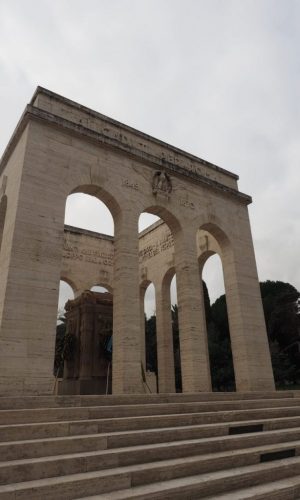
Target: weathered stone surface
131, 458
60, 147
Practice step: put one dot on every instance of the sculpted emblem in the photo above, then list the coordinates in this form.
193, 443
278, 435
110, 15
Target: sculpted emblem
161, 183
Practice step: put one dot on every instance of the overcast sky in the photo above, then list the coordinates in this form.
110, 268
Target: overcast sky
217, 78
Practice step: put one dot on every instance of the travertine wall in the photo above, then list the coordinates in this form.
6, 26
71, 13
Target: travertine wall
60, 148
88, 261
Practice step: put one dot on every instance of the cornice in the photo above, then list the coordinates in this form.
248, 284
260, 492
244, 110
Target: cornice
33, 113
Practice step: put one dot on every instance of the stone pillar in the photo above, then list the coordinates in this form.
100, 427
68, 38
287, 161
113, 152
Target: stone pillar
191, 316
30, 268
250, 348
127, 373
164, 337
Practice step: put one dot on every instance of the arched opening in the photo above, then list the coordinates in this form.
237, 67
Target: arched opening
88, 212
3, 208
88, 258
150, 329
148, 336
146, 220
156, 252
215, 308
66, 292
175, 331
101, 289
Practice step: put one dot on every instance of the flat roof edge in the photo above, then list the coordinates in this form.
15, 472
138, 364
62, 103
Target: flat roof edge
74, 104
87, 232
35, 113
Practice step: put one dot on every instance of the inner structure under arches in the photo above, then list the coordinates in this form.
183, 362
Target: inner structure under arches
168, 320
212, 248
88, 260
149, 339
66, 293
88, 249
218, 332
156, 256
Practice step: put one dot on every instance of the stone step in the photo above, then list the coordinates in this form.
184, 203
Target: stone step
99, 484
161, 446
206, 485
269, 418
149, 446
78, 413
285, 489
142, 472
21, 432
27, 402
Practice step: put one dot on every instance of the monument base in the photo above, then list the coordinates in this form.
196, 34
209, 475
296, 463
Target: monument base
88, 386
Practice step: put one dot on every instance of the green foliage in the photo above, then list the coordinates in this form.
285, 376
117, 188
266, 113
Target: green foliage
283, 327
283, 331
151, 346
220, 357
176, 347
65, 345
272, 292
219, 317
207, 306
284, 369
59, 347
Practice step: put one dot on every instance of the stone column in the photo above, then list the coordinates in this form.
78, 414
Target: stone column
30, 265
127, 373
250, 348
191, 315
164, 337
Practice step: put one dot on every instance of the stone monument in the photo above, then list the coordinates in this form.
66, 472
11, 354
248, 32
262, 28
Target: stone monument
60, 147
89, 335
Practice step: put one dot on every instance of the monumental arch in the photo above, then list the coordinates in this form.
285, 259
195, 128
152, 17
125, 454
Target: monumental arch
60, 147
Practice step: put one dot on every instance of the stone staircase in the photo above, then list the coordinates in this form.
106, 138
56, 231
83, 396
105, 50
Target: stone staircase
173, 446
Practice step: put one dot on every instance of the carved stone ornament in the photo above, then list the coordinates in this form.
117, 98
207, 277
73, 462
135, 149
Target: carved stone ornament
161, 184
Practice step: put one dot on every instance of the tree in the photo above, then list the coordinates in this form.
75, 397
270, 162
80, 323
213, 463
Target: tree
219, 347
283, 327
176, 348
219, 317
151, 345
58, 368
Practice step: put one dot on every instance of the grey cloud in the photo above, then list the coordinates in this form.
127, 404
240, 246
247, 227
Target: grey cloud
217, 78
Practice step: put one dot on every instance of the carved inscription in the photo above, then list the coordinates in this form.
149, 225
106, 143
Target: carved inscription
186, 203
160, 246
87, 255
127, 183
197, 169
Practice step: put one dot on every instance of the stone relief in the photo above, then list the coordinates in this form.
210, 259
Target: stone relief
161, 184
